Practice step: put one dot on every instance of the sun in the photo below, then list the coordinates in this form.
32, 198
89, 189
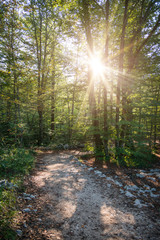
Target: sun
97, 66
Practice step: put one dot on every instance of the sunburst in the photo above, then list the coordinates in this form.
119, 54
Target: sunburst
97, 66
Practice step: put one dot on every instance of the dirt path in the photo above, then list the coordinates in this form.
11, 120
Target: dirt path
72, 203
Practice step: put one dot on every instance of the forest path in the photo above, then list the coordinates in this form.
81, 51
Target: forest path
72, 203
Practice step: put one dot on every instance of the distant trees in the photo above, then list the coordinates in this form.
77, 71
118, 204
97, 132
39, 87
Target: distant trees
39, 24
11, 67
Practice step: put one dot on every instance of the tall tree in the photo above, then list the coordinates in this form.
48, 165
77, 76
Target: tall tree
40, 26
105, 85
92, 100
120, 82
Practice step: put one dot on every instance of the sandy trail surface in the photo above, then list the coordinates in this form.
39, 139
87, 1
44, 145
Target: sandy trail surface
72, 203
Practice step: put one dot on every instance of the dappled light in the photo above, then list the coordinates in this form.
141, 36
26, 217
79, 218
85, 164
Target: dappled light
77, 202
113, 216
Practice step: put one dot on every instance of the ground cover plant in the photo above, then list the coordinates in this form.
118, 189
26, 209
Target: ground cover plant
15, 163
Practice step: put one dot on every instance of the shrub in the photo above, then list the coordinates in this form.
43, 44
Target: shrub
14, 164
7, 213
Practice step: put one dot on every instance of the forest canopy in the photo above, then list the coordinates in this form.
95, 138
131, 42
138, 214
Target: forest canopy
81, 73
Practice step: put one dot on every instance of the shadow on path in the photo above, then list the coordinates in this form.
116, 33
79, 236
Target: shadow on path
75, 204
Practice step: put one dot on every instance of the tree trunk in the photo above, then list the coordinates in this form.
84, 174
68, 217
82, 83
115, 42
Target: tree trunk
92, 99
155, 118
105, 100
111, 102
53, 103
119, 142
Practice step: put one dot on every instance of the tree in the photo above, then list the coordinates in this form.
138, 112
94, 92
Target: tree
85, 17
141, 33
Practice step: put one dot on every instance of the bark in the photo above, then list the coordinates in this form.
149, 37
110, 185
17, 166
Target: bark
69, 116
74, 94
111, 101
120, 82
14, 66
155, 118
92, 99
39, 91
105, 86
53, 88
41, 52
53, 103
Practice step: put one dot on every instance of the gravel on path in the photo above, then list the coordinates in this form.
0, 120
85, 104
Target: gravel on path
74, 203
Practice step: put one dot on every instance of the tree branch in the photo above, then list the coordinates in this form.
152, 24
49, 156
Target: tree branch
146, 40
99, 7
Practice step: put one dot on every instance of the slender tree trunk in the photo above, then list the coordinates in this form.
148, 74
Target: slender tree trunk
53, 103
69, 117
74, 92
8, 110
14, 66
95, 122
15, 98
117, 116
92, 99
155, 118
1, 103
38, 39
120, 82
105, 92
39, 91
105, 123
53, 89
139, 119
111, 102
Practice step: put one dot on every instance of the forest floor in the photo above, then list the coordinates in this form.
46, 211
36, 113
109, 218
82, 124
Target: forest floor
67, 199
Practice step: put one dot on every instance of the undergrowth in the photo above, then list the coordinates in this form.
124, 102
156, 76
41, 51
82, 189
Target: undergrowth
140, 157
15, 163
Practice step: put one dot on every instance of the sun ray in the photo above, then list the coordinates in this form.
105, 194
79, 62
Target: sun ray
101, 72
